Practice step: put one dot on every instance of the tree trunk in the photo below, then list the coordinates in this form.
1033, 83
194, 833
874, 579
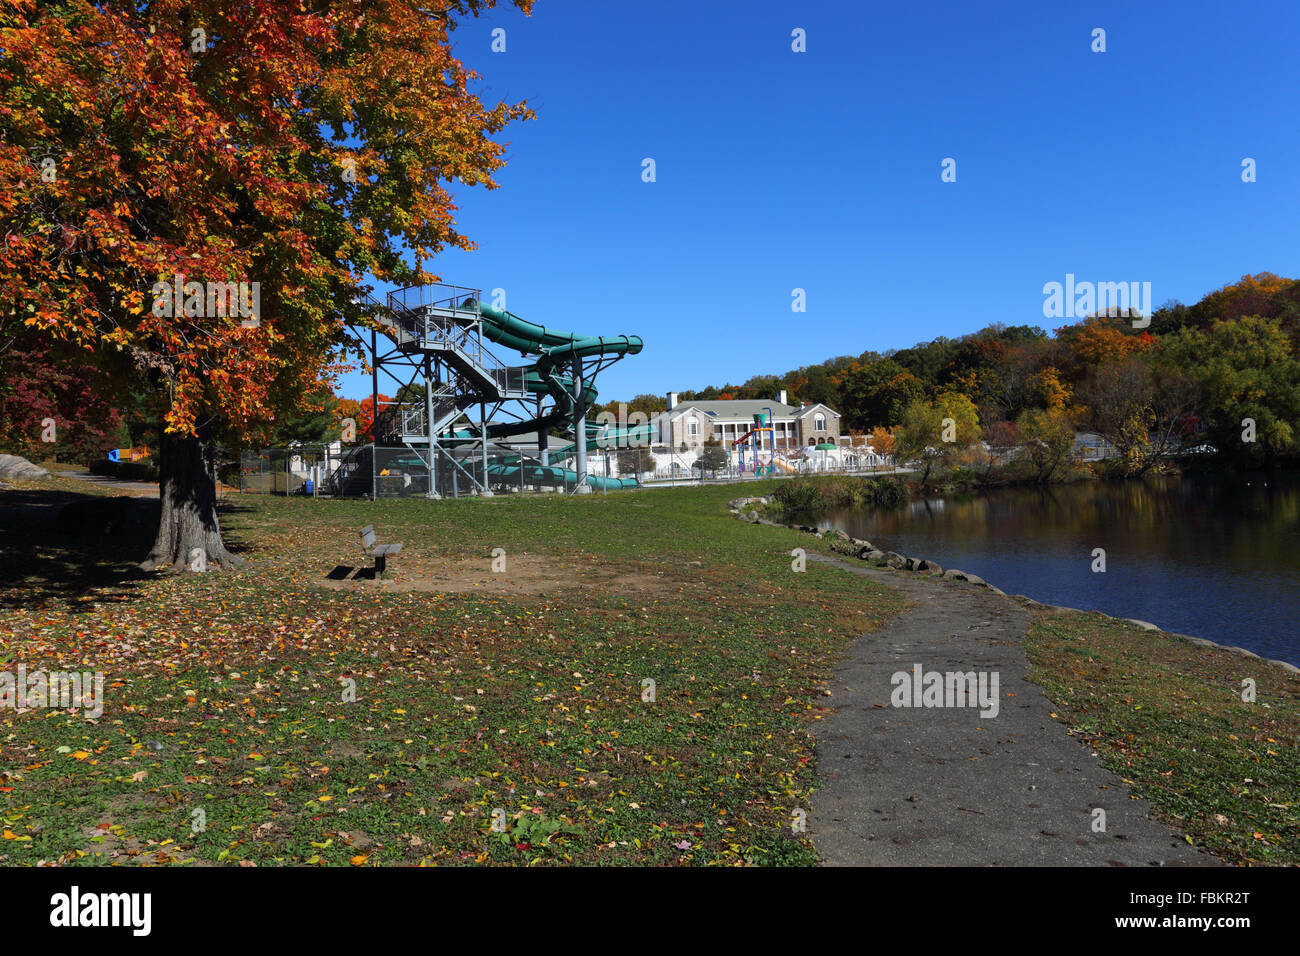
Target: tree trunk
189, 537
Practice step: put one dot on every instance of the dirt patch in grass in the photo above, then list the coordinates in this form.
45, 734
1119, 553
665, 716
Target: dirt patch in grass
523, 574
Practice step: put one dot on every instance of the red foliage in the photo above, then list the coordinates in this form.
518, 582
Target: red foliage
40, 381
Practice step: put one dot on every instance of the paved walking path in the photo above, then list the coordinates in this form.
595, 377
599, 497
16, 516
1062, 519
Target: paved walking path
126, 486
945, 786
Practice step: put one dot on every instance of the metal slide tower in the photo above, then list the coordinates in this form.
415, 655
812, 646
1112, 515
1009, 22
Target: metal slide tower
454, 400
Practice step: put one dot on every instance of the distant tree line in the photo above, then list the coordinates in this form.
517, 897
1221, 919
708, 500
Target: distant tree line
1222, 374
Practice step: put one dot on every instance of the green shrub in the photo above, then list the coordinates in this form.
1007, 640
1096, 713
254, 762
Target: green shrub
799, 496
889, 492
812, 496
879, 492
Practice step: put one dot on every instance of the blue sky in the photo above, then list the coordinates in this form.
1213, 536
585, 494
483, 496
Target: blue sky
821, 170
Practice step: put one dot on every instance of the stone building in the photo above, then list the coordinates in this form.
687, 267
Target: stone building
692, 424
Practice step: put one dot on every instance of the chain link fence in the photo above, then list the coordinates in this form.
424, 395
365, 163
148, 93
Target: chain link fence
405, 471
300, 470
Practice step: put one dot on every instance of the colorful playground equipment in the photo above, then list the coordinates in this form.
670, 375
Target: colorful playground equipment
128, 454
753, 437
429, 341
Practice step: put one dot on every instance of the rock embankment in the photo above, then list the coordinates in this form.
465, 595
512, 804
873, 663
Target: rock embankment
750, 509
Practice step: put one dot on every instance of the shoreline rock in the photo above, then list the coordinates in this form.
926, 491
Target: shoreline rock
17, 468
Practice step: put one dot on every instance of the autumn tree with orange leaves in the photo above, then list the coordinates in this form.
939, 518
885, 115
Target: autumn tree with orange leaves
287, 150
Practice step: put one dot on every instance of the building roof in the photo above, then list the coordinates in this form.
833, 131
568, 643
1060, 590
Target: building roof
737, 408
809, 409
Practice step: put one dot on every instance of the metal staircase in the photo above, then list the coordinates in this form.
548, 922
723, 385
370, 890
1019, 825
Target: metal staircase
454, 335
428, 340
410, 421
354, 477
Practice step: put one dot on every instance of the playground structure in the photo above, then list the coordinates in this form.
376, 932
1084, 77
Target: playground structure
128, 454
457, 403
753, 438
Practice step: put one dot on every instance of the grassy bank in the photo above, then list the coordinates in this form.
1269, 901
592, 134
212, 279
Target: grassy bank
475, 691
522, 691
1167, 715
1164, 713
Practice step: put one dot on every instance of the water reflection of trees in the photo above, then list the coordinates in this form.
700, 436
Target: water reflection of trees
1241, 521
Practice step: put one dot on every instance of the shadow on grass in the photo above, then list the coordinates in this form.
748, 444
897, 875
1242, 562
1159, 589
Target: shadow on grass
365, 574
78, 568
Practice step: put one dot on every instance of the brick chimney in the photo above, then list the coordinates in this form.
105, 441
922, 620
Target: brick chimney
672, 400
781, 397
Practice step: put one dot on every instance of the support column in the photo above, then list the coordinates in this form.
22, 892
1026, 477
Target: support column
580, 428
432, 491
374, 388
374, 413
542, 453
482, 431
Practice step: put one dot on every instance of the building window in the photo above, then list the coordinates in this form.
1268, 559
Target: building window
819, 423
692, 427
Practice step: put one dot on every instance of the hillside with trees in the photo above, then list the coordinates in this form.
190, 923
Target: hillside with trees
1220, 376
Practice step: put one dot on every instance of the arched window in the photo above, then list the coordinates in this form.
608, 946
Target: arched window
819, 423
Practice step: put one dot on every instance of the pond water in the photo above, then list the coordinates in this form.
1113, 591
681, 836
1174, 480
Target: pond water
1212, 556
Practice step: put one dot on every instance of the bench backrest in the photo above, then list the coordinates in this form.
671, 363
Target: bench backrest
367, 536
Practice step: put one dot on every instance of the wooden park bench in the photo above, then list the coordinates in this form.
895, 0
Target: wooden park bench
380, 552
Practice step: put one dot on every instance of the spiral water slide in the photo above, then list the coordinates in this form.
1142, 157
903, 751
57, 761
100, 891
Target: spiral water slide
550, 374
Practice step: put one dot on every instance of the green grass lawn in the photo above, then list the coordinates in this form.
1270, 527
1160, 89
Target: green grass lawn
224, 698
1167, 715
519, 696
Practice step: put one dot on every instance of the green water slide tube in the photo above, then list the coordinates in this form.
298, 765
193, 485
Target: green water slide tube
601, 437
537, 474
554, 352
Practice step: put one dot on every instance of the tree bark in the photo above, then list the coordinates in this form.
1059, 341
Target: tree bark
188, 526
